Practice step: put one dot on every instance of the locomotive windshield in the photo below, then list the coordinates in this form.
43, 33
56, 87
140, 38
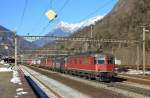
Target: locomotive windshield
100, 59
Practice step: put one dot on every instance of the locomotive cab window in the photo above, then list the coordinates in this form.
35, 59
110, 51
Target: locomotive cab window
100, 60
111, 60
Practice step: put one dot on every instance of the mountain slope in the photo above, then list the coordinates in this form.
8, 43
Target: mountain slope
8, 38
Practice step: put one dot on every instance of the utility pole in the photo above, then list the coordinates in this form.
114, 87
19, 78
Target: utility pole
91, 31
144, 31
138, 57
15, 36
91, 43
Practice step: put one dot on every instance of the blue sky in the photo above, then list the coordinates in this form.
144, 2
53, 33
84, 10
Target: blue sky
35, 22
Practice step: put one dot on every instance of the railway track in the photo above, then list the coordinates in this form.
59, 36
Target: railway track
128, 86
132, 88
137, 76
136, 79
48, 90
115, 89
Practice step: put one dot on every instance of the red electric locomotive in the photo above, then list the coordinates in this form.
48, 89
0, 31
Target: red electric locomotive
99, 66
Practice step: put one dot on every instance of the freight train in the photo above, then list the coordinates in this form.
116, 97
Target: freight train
94, 66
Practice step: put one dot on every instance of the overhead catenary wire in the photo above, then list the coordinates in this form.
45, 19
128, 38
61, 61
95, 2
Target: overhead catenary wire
40, 19
23, 14
96, 10
46, 26
59, 11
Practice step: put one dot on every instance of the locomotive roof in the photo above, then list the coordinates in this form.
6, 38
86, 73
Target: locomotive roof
91, 54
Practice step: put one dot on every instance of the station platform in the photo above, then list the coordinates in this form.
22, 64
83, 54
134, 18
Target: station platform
9, 88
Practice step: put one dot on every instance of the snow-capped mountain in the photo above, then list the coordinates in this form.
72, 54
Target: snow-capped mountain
66, 29
73, 27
